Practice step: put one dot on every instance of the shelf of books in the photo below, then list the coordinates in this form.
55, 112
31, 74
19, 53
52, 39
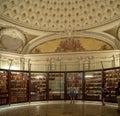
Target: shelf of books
38, 86
93, 84
3, 87
28, 86
75, 80
19, 87
112, 77
56, 86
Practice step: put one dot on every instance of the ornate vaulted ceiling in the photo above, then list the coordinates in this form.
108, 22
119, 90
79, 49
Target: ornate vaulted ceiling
29, 26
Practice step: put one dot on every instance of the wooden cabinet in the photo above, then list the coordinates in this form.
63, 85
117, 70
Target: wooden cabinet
27, 86
3, 87
56, 85
93, 84
38, 86
112, 78
18, 87
75, 80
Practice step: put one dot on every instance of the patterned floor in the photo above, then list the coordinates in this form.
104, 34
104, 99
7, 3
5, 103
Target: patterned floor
60, 108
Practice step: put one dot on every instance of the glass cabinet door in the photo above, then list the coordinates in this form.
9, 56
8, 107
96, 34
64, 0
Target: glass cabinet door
75, 80
56, 86
93, 84
111, 79
38, 86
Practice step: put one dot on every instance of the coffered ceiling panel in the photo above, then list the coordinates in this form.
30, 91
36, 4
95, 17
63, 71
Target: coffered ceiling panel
60, 15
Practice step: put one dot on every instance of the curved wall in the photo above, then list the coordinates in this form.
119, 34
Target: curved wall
60, 61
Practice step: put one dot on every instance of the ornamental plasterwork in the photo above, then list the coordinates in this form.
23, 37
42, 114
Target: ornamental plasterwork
12, 39
29, 37
59, 15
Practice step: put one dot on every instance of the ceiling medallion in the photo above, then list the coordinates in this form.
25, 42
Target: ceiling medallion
12, 38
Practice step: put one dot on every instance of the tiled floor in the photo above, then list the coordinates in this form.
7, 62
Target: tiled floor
60, 108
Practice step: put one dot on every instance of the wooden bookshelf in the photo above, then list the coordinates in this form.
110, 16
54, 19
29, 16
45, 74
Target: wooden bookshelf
27, 86
18, 87
75, 80
112, 78
56, 86
93, 84
3, 88
38, 86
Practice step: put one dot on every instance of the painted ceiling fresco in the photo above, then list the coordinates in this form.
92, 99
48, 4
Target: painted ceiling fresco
71, 45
